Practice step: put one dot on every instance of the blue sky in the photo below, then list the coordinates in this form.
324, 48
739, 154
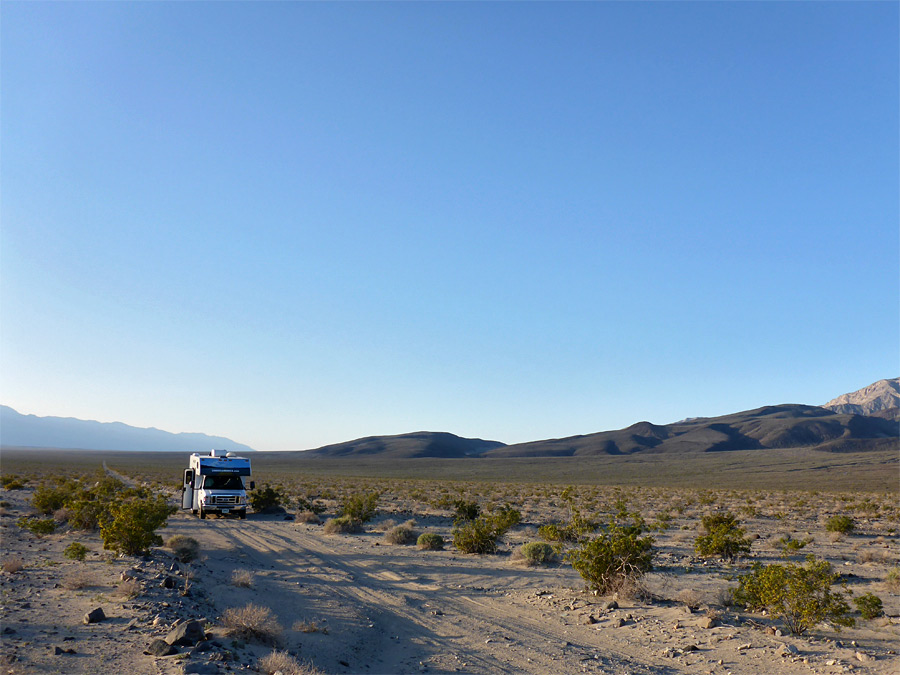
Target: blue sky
300, 223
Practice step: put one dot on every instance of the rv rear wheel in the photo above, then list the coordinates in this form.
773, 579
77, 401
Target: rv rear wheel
202, 514
243, 515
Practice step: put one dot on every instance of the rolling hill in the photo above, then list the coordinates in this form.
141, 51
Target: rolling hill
17, 430
418, 444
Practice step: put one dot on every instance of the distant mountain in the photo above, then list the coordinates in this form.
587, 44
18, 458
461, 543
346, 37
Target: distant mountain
881, 399
780, 426
418, 444
67, 432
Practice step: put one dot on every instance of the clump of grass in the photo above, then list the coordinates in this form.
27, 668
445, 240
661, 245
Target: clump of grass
402, 535
130, 588
252, 622
78, 579
310, 517
307, 627
13, 564
430, 541
284, 663
892, 580
185, 548
242, 578
343, 525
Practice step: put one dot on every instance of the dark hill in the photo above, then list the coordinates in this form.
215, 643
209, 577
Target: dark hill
780, 426
418, 444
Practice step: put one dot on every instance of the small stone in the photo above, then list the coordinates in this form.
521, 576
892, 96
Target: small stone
588, 620
609, 605
94, 616
744, 646
707, 622
785, 649
59, 650
689, 648
131, 625
862, 656
618, 623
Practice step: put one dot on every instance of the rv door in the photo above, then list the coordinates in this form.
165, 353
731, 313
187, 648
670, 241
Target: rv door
187, 490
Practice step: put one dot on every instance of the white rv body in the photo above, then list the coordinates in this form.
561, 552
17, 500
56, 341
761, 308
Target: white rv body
216, 483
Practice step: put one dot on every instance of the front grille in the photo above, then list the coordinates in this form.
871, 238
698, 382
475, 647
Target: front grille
225, 499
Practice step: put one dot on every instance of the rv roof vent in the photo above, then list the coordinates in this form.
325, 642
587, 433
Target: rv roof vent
230, 454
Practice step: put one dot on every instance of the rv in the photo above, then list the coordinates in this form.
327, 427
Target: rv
216, 483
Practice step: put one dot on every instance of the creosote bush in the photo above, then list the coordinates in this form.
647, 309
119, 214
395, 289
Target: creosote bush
617, 557
842, 524
75, 551
266, 497
723, 538
799, 595
37, 526
869, 606
129, 526
430, 541
361, 508
252, 622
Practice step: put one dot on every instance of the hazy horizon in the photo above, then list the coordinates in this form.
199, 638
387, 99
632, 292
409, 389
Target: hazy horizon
295, 224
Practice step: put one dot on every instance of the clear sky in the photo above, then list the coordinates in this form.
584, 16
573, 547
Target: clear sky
301, 223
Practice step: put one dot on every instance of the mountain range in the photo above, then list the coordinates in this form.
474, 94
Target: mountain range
17, 430
866, 419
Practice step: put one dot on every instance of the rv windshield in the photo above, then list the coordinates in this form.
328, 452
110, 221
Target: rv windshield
222, 483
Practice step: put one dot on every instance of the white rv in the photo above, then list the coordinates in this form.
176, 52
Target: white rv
216, 483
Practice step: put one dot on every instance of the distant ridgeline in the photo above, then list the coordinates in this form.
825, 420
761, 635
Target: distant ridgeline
17, 430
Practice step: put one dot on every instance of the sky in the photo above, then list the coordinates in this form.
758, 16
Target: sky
295, 224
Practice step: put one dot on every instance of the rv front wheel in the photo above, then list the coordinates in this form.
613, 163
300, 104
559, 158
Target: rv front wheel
202, 514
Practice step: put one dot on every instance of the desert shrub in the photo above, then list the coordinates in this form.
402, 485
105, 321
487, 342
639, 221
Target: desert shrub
252, 622
309, 517
48, 498
476, 536
869, 605
723, 538
12, 482
430, 541
129, 525
558, 532
284, 663
506, 517
76, 551
788, 545
618, 556
465, 511
304, 504
361, 508
538, 553
841, 524
37, 526
799, 595
242, 578
402, 535
83, 512
266, 497
343, 525
12, 564
185, 548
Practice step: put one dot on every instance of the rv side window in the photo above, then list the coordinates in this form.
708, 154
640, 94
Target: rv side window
222, 483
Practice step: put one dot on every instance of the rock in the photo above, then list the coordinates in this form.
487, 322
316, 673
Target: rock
744, 646
95, 616
618, 623
862, 656
588, 620
609, 604
131, 625
59, 650
186, 634
201, 668
707, 622
160, 648
202, 646
785, 649
689, 648
168, 582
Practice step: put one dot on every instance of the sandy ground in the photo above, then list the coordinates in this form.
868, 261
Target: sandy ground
355, 604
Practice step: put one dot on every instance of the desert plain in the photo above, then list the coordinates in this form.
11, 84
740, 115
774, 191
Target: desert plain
357, 603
